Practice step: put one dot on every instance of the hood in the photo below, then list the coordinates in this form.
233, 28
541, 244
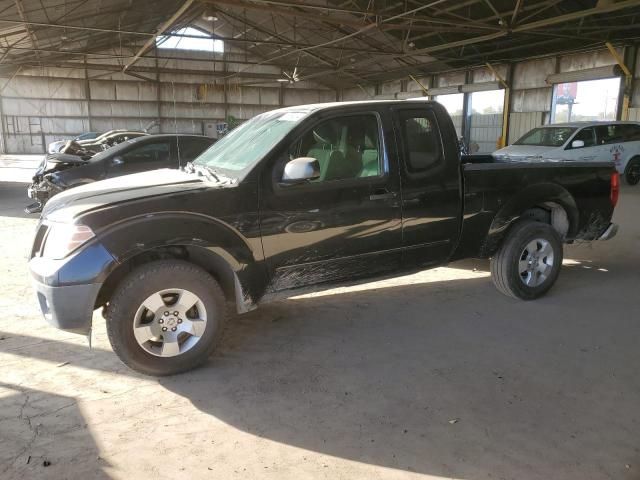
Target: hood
67, 205
66, 158
522, 152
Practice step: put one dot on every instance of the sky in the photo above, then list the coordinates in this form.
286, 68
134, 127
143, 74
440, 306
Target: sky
205, 44
595, 97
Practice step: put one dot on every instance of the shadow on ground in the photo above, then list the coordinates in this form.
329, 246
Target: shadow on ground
445, 378
30, 421
13, 200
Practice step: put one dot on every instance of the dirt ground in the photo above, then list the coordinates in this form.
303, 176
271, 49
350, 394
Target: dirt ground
434, 375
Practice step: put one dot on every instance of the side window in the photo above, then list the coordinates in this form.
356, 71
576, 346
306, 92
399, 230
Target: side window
587, 135
192, 147
345, 147
610, 134
421, 140
151, 152
631, 132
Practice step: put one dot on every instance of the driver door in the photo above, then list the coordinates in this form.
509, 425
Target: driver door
586, 153
344, 224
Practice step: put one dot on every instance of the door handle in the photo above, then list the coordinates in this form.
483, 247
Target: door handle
382, 194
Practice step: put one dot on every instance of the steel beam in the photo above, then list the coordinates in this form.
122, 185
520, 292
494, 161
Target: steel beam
164, 27
601, 8
627, 86
516, 9
32, 37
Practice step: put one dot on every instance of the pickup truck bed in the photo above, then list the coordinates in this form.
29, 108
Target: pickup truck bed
567, 195
295, 198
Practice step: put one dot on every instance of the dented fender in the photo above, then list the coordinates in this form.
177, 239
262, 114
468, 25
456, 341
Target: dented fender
212, 243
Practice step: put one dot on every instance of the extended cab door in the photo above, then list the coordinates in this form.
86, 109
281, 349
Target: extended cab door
345, 224
431, 185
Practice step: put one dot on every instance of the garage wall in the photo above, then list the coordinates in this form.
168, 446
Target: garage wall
521, 122
40, 105
531, 96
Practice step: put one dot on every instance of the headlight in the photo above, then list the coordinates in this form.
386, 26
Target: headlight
63, 238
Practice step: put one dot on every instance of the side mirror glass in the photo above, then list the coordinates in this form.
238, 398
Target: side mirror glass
117, 160
577, 144
301, 170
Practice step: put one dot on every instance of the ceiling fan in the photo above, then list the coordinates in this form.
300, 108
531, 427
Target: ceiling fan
290, 78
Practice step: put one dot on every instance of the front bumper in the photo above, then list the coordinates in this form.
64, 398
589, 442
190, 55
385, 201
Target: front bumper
68, 308
39, 191
610, 232
67, 289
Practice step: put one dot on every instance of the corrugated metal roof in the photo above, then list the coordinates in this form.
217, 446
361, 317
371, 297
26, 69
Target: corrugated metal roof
331, 42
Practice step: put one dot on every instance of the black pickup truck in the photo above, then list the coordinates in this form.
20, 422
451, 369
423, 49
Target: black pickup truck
298, 197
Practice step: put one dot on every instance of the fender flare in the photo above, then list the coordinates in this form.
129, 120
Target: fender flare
215, 245
536, 195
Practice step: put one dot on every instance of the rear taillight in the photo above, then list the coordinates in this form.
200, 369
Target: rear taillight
615, 188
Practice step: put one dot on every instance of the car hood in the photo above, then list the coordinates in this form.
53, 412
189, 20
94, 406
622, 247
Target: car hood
521, 152
67, 205
66, 158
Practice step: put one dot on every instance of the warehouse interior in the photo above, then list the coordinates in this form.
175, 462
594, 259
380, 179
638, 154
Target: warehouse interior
425, 376
87, 66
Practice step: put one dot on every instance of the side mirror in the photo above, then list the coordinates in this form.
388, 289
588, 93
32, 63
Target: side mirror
117, 160
577, 144
300, 170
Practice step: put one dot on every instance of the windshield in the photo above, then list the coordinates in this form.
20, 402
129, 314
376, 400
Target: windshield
244, 146
547, 136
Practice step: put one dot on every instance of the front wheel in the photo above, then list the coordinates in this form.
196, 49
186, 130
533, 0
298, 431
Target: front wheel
166, 317
528, 262
632, 172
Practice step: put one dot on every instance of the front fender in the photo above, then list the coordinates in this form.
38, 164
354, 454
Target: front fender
134, 235
200, 233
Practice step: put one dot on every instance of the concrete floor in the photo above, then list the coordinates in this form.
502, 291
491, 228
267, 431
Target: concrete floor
433, 375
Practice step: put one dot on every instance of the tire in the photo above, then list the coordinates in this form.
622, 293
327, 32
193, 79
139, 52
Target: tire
632, 172
518, 251
143, 302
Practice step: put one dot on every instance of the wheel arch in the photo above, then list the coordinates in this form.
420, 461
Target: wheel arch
213, 261
548, 203
211, 244
633, 161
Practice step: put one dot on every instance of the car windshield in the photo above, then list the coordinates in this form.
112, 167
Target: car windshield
547, 136
88, 136
244, 146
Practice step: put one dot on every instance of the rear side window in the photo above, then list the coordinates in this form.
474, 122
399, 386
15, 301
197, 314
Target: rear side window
610, 134
421, 140
151, 152
631, 132
191, 148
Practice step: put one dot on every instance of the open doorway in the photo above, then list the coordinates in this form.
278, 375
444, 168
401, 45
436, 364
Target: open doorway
485, 122
590, 100
454, 104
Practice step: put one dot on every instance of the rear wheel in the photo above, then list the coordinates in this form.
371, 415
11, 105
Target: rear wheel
632, 172
166, 317
529, 260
